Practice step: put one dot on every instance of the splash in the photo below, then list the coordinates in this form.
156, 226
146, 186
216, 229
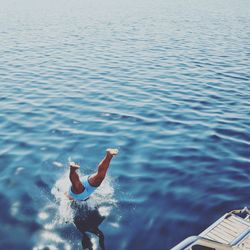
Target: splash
103, 198
58, 215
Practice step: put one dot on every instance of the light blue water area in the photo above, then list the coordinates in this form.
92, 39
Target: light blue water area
166, 82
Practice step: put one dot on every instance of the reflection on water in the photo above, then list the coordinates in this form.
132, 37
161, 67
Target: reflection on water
87, 220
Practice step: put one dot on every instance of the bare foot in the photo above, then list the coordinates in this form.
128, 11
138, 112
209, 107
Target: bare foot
112, 151
73, 165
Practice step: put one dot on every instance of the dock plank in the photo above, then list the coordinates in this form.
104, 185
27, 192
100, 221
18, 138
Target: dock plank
245, 244
217, 237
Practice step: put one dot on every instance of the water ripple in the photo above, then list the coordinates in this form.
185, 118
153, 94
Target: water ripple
167, 82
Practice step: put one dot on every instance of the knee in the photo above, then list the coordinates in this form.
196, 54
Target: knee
97, 178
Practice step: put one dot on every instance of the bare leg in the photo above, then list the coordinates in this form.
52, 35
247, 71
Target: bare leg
97, 178
77, 186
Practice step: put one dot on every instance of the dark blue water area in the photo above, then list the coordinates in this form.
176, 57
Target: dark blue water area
166, 82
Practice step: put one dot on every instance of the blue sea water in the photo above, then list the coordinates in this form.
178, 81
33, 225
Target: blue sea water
166, 82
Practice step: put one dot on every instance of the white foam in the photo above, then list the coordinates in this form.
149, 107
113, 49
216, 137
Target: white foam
114, 224
43, 215
51, 241
15, 208
18, 170
58, 164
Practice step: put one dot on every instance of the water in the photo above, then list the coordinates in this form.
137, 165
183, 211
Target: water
167, 82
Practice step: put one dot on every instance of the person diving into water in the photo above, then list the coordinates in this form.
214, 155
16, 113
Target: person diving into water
81, 189
87, 219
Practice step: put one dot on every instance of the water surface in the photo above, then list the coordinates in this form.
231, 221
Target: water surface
167, 82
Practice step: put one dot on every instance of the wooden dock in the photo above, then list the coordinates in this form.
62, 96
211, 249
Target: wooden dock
227, 229
230, 232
